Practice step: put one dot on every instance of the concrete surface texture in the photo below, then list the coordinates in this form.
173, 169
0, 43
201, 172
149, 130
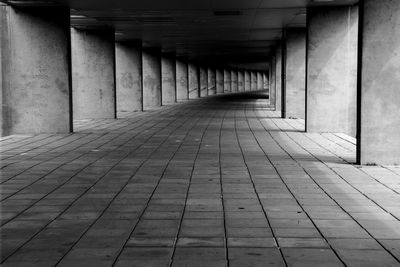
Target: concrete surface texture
265, 81
332, 70
35, 76
234, 81
211, 82
128, 58
151, 79
210, 182
295, 83
203, 81
227, 81
182, 80
93, 74
272, 82
380, 77
260, 81
247, 81
168, 80
241, 81
194, 81
254, 81
219, 75
278, 79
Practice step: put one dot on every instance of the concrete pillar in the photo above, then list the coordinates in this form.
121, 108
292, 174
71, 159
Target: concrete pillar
151, 79
278, 79
128, 60
379, 75
241, 81
220, 81
247, 81
295, 82
182, 80
332, 70
260, 83
93, 74
203, 81
234, 81
35, 70
168, 79
253, 81
227, 81
194, 81
211, 82
272, 82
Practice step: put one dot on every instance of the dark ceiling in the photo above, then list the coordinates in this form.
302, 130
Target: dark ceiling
239, 33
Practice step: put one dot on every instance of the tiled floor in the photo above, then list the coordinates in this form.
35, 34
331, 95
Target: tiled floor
212, 182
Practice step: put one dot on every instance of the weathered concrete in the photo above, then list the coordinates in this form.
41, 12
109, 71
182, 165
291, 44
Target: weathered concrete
194, 81
151, 79
227, 81
93, 74
182, 80
220, 81
203, 81
35, 71
241, 81
278, 78
168, 80
332, 70
272, 82
128, 59
379, 139
211, 84
247, 81
234, 81
254, 81
295, 82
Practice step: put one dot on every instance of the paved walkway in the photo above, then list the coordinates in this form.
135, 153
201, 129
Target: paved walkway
212, 182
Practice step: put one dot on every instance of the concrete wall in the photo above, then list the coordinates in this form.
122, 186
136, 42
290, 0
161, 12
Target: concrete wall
241, 81
332, 70
234, 81
93, 74
168, 80
35, 71
295, 82
227, 81
278, 79
211, 81
379, 139
220, 81
247, 81
151, 79
194, 81
128, 58
203, 81
182, 80
254, 81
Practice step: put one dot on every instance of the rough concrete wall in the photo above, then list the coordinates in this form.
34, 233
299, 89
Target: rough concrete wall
380, 79
241, 81
227, 81
332, 71
220, 81
247, 81
168, 85
211, 81
182, 82
203, 82
93, 78
194, 81
278, 77
272, 82
234, 81
254, 81
151, 79
35, 67
295, 73
128, 59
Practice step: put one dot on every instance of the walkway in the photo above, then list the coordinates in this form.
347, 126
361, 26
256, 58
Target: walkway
210, 182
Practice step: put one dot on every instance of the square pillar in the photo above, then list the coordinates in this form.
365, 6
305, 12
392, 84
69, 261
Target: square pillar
379, 78
128, 59
260, 83
227, 81
168, 79
151, 79
254, 81
234, 81
93, 74
220, 81
332, 70
272, 82
240, 81
194, 81
295, 82
247, 81
278, 78
182, 80
35, 70
211, 82
203, 82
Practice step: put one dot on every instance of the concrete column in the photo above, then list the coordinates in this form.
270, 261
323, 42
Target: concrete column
295, 82
247, 81
220, 81
272, 82
203, 81
168, 80
35, 70
240, 81
182, 80
194, 81
93, 74
151, 79
253, 81
260, 83
128, 59
332, 70
227, 81
379, 75
278, 79
211, 82
234, 81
